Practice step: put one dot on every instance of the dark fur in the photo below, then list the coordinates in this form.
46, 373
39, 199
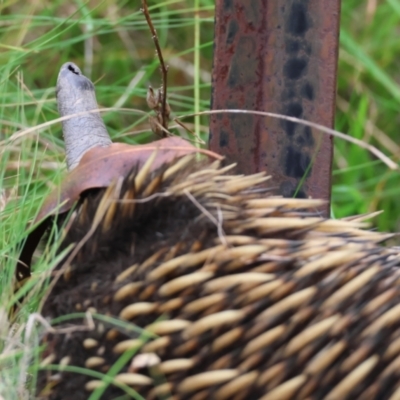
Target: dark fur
175, 226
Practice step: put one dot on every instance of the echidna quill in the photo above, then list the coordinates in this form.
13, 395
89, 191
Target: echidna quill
186, 281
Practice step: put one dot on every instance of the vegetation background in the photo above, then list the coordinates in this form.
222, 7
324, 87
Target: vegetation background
111, 42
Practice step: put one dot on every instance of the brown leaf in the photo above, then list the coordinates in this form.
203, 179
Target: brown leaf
152, 98
98, 168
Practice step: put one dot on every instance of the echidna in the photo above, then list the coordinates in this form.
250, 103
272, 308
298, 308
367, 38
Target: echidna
186, 281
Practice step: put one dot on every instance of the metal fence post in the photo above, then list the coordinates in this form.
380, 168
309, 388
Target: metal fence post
278, 56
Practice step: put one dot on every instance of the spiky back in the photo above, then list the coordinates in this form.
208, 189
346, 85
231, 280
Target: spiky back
197, 284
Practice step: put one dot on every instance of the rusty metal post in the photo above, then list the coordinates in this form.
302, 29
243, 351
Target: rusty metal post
278, 56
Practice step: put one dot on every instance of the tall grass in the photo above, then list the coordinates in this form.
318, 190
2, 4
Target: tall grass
110, 41
368, 106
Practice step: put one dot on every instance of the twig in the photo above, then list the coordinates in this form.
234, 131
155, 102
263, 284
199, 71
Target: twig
385, 159
200, 140
217, 223
144, 200
163, 67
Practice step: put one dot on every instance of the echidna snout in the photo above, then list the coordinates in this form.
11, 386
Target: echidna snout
76, 96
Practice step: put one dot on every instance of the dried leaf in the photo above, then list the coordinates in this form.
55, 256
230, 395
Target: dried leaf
167, 110
101, 165
156, 125
98, 168
152, 98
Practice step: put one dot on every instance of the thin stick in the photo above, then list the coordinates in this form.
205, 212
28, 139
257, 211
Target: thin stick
163, 67
217, 223
181, 124
385, 159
